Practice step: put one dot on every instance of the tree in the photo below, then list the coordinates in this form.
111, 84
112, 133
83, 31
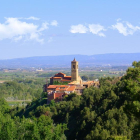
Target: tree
85, 77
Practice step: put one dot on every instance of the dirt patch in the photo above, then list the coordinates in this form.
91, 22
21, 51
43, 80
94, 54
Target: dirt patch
2, 81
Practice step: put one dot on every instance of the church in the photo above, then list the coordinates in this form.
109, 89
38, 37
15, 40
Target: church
61, 77
69, 84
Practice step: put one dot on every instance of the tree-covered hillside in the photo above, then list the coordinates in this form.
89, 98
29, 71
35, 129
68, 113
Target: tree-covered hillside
17, 128
110, 112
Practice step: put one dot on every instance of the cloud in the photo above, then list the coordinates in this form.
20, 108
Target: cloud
17, 38
33, 18
15, 29
97, 29
54, 23
125, 28
35, 36
78, 29
93, 28
44, 26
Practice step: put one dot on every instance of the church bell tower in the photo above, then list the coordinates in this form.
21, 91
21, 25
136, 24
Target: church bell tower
74, 70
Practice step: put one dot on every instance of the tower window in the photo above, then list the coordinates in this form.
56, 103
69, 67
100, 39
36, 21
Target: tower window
73, 66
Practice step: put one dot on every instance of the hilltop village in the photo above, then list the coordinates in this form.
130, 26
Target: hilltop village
61, 84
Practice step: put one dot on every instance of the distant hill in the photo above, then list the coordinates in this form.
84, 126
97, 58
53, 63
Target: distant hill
64, 60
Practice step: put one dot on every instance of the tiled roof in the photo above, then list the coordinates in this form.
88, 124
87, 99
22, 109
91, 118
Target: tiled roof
61, 89
67, 76
57, 95
60, 73
52, 86
57, 86
71, 88
57, 77
63, 78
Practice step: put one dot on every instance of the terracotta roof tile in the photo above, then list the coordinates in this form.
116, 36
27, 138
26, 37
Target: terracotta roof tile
71, 88
60, 73
57, 95
67, 76
58, 89
52, 86
57, 77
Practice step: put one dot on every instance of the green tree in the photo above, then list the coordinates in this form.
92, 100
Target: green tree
85, 77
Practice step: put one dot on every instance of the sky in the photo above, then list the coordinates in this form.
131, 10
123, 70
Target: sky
64, 27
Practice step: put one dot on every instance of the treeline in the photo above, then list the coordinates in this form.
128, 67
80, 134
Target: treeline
20, 89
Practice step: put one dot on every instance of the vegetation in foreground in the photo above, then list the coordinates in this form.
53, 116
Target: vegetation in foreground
110, 112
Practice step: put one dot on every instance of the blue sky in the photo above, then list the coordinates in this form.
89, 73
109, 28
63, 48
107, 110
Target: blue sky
62, 27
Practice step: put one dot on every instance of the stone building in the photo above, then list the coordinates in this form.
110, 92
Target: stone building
57, 92
74, 84
61, 77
